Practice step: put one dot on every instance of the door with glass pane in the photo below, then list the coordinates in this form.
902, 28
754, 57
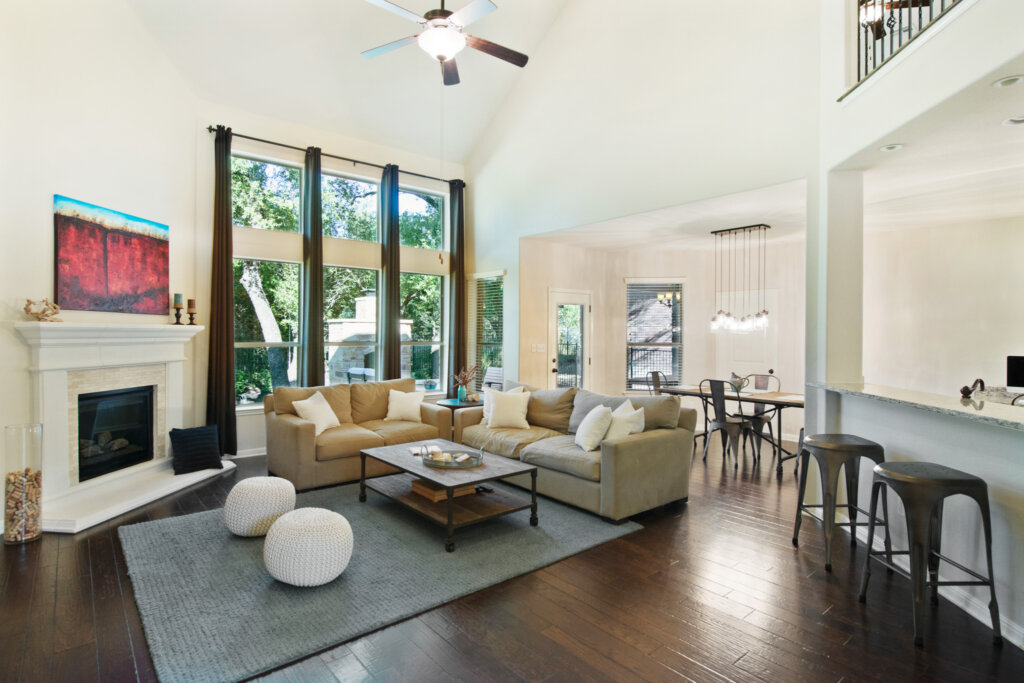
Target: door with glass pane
569, 339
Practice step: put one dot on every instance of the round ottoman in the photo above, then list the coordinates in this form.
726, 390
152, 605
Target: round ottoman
308, 547
256, 503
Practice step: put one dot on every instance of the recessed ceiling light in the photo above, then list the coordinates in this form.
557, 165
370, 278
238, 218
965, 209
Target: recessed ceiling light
1008, 82
1015, 121
890, 148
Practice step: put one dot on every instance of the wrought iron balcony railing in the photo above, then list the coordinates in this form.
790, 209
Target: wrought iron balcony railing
886, 26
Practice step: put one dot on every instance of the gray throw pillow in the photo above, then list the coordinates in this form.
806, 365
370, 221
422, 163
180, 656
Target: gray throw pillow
551, 408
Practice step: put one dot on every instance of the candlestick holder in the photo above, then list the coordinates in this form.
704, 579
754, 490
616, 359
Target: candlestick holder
192, 318
177, 316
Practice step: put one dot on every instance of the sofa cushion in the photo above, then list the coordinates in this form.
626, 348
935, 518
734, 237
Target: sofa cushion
337, 396
401, 431
659, 411
559, 453
504, 441
317, 410
370, 400
551, 408
345, 442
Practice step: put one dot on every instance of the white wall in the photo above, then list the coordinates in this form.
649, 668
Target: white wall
650, 113
93, 110
544, 264
942, 306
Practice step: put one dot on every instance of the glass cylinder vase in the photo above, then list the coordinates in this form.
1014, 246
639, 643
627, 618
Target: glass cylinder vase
23, 483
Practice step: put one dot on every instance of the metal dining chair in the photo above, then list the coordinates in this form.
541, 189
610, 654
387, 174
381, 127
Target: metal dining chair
732, 427
655, 378
764, 415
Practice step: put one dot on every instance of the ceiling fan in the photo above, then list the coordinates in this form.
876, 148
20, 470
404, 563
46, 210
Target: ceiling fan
442, 36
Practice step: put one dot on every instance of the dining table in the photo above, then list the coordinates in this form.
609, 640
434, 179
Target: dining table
776, 399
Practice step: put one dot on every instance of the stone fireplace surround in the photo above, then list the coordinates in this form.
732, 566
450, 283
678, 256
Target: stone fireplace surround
68, 359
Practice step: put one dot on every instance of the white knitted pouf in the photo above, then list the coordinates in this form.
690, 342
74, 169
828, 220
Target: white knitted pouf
256, 503
308, 547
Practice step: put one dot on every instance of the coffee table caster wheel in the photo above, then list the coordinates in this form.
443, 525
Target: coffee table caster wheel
450, 546
534, 521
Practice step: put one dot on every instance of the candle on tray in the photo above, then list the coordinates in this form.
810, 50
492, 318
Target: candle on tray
177, 299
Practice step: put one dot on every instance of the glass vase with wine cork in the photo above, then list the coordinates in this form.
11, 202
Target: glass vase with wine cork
23, 483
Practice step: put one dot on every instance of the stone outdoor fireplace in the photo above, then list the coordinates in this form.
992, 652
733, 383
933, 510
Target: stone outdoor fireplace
107, 396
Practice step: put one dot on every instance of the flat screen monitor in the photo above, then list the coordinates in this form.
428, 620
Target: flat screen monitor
1015, 374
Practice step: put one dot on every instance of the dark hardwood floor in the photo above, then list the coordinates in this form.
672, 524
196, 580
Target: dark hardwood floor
708, 591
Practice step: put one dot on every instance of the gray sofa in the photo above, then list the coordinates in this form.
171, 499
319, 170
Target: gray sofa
624, 477
308, 461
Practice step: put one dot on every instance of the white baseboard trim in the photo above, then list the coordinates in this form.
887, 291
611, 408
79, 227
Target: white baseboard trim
1013, 632
247, 453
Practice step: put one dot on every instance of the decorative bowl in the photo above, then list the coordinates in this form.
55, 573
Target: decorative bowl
474, 460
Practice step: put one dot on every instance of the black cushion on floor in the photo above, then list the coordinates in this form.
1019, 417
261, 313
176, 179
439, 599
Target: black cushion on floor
195, 449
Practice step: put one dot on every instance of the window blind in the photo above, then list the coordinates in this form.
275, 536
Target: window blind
487, 311
654, 333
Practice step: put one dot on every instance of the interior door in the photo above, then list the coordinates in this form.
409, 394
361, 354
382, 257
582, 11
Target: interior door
569, 333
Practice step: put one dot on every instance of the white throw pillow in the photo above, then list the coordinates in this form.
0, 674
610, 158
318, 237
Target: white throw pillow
405, 406
593, 428
489, 402
508, 409
626, 420
317, 410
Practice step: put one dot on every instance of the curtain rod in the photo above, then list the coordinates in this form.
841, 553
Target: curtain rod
212, 129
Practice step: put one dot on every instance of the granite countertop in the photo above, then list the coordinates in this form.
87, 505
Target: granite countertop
978, 409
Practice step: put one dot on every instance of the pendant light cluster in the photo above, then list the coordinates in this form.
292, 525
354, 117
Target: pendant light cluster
740, 261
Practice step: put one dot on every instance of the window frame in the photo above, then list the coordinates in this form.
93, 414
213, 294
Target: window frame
473, 321
666, 282
442, 342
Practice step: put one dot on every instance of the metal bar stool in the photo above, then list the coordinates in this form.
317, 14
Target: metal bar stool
832, 452
923, 488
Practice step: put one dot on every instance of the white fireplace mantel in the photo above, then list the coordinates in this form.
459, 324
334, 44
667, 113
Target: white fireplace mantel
69, 355
69, 346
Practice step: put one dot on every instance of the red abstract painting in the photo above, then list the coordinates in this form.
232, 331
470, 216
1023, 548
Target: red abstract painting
109, 261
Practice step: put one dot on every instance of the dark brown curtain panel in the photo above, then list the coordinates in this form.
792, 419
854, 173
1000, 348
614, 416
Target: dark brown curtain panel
312, 309
220, 383
390, 302
457, 281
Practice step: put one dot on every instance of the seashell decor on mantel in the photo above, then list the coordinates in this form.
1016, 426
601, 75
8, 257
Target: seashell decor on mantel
44, 311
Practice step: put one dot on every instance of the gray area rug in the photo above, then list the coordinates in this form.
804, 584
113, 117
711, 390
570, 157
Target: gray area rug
212, 613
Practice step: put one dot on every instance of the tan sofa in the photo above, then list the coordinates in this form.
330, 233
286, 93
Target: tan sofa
309, 461
624, 477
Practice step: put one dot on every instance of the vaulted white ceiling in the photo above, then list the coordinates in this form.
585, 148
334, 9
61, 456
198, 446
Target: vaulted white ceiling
299, 60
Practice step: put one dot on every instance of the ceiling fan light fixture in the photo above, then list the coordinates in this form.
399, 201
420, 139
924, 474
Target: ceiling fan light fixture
441, 40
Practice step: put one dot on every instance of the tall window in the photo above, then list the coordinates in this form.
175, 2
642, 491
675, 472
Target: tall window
268, 243
266, 327
350, 325
654, 332
487, 324
420, 220
421, 316
265, 196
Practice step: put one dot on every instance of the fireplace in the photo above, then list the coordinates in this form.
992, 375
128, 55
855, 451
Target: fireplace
115, 430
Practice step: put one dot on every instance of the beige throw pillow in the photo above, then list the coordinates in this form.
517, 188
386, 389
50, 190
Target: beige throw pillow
593, 428
626, 420
489, 402
405, 406
317, 410
509, 410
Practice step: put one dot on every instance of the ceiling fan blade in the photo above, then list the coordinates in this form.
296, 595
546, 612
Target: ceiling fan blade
450, 72
388, 47
478, 9
495, 50
400, 11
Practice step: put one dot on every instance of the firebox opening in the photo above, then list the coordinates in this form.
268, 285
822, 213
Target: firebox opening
115, 430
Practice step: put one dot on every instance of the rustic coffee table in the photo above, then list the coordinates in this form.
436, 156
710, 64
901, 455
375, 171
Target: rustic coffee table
451, 512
